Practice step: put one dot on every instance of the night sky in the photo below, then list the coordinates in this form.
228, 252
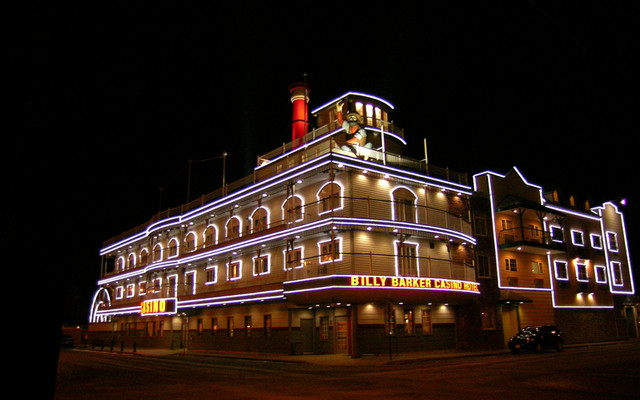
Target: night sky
117, 98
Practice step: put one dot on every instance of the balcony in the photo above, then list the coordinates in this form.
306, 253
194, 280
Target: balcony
529, 240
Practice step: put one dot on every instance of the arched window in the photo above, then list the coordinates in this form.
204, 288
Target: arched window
329, 198
131, 261
173, 247
144, 257
259, 219
210, 236
404, 205
292, 210
121, 264
157, 253
233, 228
190, 242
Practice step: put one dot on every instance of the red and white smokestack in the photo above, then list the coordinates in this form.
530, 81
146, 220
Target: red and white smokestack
299, 98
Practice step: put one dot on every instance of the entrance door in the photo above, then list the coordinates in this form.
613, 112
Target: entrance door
342, 335
306, 331
509, 322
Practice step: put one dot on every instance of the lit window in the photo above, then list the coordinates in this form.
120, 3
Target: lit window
562, 273
214, 326
536, 267
234, 271
247, 325
144, 257
172, 285
130, 290
329, 251
230, 326
404, 205
142, 288
511, 264
408, 322
157, 253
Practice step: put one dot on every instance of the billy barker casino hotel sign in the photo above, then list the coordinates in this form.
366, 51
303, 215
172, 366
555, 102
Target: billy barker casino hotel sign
168, 306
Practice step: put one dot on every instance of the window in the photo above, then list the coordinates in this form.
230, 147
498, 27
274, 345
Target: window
556, 234
324, 329
211, 275
507, 232
232, 228
292, 210
121, 264
260, 265
119, 293
581, 273
144, 257
601, 274
230, 326
562, 272
408, 322
404, 202
480, 225
390, 320
157, 253
190, 283
259, 219
483, 266
329, 251
329, 198
427, 328
210, 236
142, 288
596, 241
190, 242
131, 261
214, 326
536, 267
616, 272
267, 325
173, 247
293, 258
406, 259
577, 238
612, 241
131, 290
172, 285
488, 318
200, 327
511, 264
247, 326
234, 271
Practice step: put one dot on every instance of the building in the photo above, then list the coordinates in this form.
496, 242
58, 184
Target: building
338, 244
541, 261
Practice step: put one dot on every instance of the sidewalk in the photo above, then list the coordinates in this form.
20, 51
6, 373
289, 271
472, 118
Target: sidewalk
341, 359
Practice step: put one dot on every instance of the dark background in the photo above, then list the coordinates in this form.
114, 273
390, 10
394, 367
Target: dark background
114, 99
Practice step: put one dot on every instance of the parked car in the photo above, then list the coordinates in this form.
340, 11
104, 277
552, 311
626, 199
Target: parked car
537, 338
66, 341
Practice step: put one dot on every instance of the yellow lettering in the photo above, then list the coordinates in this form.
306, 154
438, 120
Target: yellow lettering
354, 281
163, 306
394, 282
383, 281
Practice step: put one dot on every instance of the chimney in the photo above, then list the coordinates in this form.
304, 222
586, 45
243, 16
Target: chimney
299, 98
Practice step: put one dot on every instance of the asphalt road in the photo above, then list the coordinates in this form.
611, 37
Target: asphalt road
602, 372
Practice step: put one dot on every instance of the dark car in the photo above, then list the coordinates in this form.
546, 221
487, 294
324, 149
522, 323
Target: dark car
537, 338
66, 341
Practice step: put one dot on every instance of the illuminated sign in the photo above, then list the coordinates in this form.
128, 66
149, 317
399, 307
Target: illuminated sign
158, 307
413, 283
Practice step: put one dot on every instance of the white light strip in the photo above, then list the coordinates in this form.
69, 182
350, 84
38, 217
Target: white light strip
355, 94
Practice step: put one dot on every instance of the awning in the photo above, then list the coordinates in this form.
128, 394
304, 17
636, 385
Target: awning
510, 296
